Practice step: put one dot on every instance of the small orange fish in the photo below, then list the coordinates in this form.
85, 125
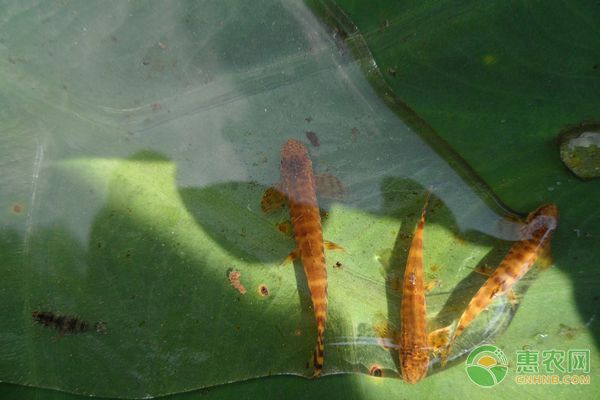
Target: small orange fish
537, 234
415, 342
298, 184
414, 347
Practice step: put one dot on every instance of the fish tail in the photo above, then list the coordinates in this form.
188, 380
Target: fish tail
317, 283
319, 354
100, 327
320, 308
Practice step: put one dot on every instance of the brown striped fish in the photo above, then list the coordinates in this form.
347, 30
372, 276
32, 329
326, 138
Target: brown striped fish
537, 234
298, 184
414, 346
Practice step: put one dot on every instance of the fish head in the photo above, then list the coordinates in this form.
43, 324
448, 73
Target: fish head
545, 217
294, 158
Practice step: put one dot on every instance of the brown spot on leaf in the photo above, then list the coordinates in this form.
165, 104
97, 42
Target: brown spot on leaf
567, 331
234, 280
263, 290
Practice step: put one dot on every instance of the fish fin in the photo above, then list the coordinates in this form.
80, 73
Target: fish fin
443, 354
513, 298
324, 214
545, 258
432, 284
439, 339
317, 364
329, 186
294, 255
332, 246
445, 351
272, 199
484, 270
387, 333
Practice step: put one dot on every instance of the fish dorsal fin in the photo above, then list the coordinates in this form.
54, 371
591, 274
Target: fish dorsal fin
272, 199
329, 186
439, 339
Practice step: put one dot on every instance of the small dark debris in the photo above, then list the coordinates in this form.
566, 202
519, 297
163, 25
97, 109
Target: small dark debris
308, 119
146, 62
17, 208
314, 139
263, 290
355, 133
392, 71
376, 371
66, 323
338, 265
